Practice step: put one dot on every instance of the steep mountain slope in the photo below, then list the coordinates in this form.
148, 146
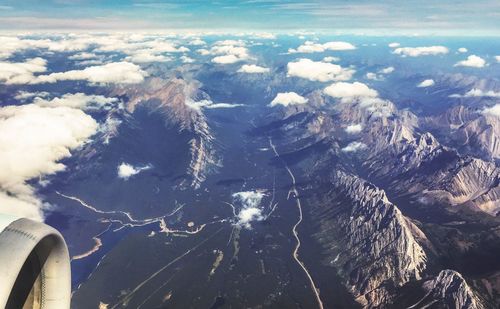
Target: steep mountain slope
374, 247
176, 100
449, 290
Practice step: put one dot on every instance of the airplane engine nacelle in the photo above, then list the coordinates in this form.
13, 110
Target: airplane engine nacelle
34, 266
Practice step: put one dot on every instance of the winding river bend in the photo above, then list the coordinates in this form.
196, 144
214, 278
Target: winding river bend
295, 254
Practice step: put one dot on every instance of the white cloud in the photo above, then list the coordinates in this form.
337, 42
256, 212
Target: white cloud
249, 207
497, 58
25, 95
34, 139
421, 51
230, 43
331, 59
83, 56
186, 59
203, 51
226, 59
472, 61
125, 170
318, 71
227, 52
21, 72
222, 105
387, 70
265, 36
360, 93
475, 93
394, 45
197, 42
78, 100
312, 47
349, 92
24, 73
147, 57
372, 76
462, 50
115, 72
209, 104
288, 98
354, 128
354, 147
493, 110
426, 83
252, 68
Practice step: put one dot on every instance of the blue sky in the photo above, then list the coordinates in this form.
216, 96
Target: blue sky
379, 17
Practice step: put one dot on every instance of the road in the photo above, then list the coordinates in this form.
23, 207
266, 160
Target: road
295, 193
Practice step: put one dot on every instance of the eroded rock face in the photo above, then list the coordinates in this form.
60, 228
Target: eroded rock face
374, 247
470, 130
170, 97
424, 166
450, 290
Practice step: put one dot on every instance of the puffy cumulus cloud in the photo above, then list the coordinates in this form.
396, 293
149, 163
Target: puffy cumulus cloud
26, 95
349, 92
253, 69
78, 100
373, 76
227, 52
249, 209
380, 76
186, 59
197, 42
21, 72
394, 45
360, 93
421, 51
462, 50
227, 59
331, 59
83, 56
9, 45
33, 140
497, 58
312, 47
354, 128
112, 43
230, 43
426, 83
265, 36
493, 110
288, 98
126, 170
318, 71
208, 104
476, 93
114, 72
472, 61
147, 57
387, 70
354, 147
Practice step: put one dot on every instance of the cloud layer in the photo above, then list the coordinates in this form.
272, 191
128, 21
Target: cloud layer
33, 140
